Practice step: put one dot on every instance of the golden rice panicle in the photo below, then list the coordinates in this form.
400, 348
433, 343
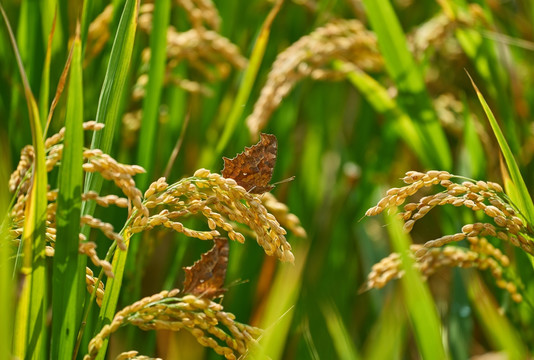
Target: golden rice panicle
120, 174
105, 228
200, 12
483, 256
223, 204
487, 197
383, 272
97, 161
206, 50
312, 56
415, 181
204, 319
19, 176
281, 212
96, 343
89, 249
134, 355
477, 196
90, 282
505, 223
211, 54
438, 30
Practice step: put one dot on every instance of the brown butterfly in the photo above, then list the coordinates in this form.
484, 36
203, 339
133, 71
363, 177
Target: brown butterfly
253, 168
205, 277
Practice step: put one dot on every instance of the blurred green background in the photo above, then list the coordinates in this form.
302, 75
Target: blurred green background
346, 139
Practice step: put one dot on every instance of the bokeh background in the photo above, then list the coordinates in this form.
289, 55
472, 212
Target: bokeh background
357, 93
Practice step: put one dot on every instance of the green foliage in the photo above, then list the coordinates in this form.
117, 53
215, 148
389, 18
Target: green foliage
359, 107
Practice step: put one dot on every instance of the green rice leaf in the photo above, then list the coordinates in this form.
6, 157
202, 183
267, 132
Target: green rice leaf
67, 281
276, 319
86, 20
112, 90
108, 113
111, 295
419, 302
45, 80
30, 323
244, 88
378, 97
151, 102
517, 189
338, 332
499, 330
401, 66
6, 262
387, 338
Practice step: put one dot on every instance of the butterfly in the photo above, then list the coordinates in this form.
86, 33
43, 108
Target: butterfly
253, 168
205, 277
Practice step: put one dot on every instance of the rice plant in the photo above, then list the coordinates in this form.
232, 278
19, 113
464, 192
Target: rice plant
131, 229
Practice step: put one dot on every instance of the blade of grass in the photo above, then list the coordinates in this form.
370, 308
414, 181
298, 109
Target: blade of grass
523, 199
343, 344
413, 96
278, 315
151, 101
59, 90
112, 89
87, 11
420, 305
243, 94
111, 295
149, 122
496, 326
30, 323
45, 79
476, 167
483, 53
108, 113
67, 285
29, 40
387, 338
7, 300
460, 319
378, 97
48, 13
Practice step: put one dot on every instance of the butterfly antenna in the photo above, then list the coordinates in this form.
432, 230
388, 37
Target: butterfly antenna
285, 180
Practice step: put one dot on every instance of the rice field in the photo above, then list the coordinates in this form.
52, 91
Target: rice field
305, 179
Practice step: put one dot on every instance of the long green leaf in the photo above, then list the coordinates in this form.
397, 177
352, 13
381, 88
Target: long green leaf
86, 21
112, 89
502, 334
520, 195
387, 338
151, 102
378, 97
66, 280
108, 113
7, 299
111, 295
421, 308
45, 79
147, 136
244, 89
484, 54
29, 40
413, 96
30, 341
344, 346
278, 313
